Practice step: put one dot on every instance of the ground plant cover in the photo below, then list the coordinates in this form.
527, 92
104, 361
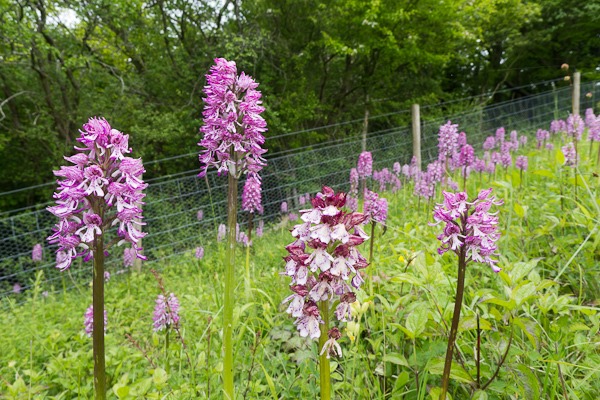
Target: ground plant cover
529, 317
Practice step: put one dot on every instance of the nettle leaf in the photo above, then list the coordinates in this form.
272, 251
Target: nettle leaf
508, 304
416, 321
402, 380
528, 381
396, 358
159, 377
529, 328
479, 395
457, 372
522, 293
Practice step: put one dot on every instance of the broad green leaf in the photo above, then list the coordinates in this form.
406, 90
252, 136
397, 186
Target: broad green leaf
402, 380
270, 382
159, 377
407, 278
544, 172
470, 323
456, 372
479, 395
434, 394
559, 157
519, 210
508, 304
396, 358
578, 326
416, 320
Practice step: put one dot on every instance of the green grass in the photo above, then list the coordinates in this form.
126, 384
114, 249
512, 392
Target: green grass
540, 314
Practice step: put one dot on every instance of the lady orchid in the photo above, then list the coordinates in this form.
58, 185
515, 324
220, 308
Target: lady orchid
324, 265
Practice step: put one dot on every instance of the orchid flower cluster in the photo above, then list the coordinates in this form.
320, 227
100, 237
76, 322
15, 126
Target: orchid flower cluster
364, 167
233, 127
252, 195
385, 178
101, 178
88, 321
470, 229
592, 122
166, 312
352, 197
571, 157
375, 208
324, 263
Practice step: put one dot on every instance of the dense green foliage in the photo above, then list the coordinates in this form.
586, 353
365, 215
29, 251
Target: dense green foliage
142, 64
540, 313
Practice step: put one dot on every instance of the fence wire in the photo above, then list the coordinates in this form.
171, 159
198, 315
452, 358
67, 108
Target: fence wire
173, 202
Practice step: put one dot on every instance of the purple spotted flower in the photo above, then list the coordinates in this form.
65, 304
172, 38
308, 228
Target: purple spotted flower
575, 126
447, 140
364, 167
233, 127
252, 195
128, 257
200, 215
166, 312
199, 253
489, 143
470, 229
558, 126
221, 232
570, 155
36, 253
284, 207
88, 321
324, 263
376, 208
521, 163
102, 188
260, 227
467, 156
500, 134
542, 136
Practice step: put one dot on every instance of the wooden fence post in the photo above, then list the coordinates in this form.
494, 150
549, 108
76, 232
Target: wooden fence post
365, 125
416, 133
576, 92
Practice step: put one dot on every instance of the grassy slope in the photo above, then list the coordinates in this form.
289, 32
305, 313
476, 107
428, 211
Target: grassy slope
398, 342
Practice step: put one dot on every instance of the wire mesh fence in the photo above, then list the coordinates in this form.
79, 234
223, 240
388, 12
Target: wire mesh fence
173, 202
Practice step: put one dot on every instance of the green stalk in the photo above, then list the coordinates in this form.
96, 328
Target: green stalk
248, 289
228, 388
371, 256
324, 368
98, 315
460, 289
167, 348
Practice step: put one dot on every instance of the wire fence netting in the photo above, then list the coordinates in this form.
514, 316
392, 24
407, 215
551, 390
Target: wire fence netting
173, 202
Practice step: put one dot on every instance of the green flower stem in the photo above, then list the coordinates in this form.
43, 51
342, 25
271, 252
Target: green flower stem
324, 368
248, 289
98, 315
460, 289
371, 256
228, 388
167, 348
